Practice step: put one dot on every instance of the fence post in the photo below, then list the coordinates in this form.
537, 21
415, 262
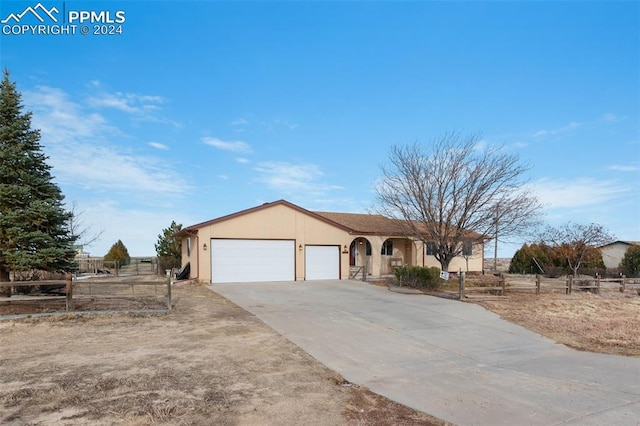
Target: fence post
168, 271
69, 290
598, 284
461, 278
622, 277
570, 283
567, 285
537, 284
503, 283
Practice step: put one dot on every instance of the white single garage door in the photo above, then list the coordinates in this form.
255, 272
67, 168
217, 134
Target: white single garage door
252, 260
322, 262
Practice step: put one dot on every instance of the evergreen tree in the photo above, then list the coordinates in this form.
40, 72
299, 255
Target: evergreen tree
630, 263
537, 257
521, 262
34, 232
532, 258
169, 248
118, 252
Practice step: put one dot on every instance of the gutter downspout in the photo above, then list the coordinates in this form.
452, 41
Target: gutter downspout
197, 237
197, 277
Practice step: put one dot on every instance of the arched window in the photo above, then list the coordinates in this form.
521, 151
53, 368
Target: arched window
387, 248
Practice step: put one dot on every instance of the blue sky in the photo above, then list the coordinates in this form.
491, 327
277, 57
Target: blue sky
200, 109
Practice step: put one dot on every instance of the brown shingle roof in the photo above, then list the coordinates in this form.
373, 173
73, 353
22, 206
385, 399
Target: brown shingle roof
366, 223
374, 224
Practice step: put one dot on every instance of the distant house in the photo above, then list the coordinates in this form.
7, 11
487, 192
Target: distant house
281, 241
613, 253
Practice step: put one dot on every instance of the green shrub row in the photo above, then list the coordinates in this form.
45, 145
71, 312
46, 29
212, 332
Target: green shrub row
418, 276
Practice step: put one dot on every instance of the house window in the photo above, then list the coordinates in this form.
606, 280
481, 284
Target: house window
467, 248
188, 246
430, 249
368, 249
387, 248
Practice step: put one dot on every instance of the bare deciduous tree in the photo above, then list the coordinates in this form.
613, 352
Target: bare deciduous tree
573, 241
83, 234
455, 191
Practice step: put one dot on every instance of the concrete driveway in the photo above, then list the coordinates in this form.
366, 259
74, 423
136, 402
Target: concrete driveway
453, 360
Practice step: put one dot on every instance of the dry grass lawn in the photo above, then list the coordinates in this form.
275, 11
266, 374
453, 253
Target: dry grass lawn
210, 362
606, 323
206, 362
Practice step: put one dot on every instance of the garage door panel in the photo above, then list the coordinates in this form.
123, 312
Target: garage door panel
252, 260
322, 262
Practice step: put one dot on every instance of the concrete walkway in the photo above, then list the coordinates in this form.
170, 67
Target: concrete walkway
453, 360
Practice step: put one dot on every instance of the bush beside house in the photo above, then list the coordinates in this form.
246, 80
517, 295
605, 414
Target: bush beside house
418, 276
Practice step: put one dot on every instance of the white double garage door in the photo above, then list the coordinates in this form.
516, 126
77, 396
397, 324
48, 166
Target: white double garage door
234, 260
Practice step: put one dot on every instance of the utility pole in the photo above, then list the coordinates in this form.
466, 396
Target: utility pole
495, 242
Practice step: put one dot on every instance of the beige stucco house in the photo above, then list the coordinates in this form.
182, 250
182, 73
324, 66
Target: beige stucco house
281, 241
613, 253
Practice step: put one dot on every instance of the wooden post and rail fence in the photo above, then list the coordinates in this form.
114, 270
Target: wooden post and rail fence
500, 288
92, 289
540, 284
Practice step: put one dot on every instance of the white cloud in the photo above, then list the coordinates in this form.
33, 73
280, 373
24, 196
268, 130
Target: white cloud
126, 102
242, 160
239, 122
112, 101
571, 126
294, 178
140, 107
233, 146
286, 123
278, 123
133, 103
612, 118
60, 119
110, 168
622, 168
158, 145
239, 125
581, 192
81, 152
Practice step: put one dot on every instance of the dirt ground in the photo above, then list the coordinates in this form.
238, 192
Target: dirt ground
210, 362
205, 362
606, 323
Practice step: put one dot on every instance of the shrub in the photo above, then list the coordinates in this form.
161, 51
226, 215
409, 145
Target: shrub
630, 263
555, 271
168, 262
418, 276
118, 253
